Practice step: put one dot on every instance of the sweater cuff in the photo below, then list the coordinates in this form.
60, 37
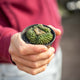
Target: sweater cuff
5, 38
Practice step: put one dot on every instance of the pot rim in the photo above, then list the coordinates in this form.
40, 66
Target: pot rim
26, 40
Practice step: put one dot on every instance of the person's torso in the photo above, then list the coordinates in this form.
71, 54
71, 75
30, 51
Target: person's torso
19, 14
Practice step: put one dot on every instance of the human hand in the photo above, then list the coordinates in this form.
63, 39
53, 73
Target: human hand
30, 58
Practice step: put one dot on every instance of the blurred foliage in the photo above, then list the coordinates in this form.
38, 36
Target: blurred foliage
63, 11
63, 8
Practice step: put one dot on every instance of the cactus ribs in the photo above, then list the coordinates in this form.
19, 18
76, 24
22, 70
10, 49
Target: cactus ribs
39, 34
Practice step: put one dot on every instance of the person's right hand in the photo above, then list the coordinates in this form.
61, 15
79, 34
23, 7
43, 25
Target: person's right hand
30, 58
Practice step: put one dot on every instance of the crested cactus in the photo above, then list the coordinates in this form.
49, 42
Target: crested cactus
39, 34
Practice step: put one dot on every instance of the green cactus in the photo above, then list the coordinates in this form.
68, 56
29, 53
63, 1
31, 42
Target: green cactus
44, 28
31, 35
39, 34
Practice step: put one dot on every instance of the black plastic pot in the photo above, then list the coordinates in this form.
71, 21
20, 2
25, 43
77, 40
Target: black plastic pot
23, 35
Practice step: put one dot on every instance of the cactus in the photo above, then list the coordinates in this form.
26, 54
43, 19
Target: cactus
39, 34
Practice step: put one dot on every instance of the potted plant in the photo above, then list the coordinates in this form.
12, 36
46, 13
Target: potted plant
38, 34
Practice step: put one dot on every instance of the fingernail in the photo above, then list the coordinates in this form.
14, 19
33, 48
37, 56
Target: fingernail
53, 55
44, 49
59, 31
52, 49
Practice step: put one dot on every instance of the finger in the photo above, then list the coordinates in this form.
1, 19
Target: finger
21, 61
30, 70
31, 64
35, 49
57, 31
42, 62
40, 56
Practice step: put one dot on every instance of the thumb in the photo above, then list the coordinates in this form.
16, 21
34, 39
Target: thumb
57, 31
